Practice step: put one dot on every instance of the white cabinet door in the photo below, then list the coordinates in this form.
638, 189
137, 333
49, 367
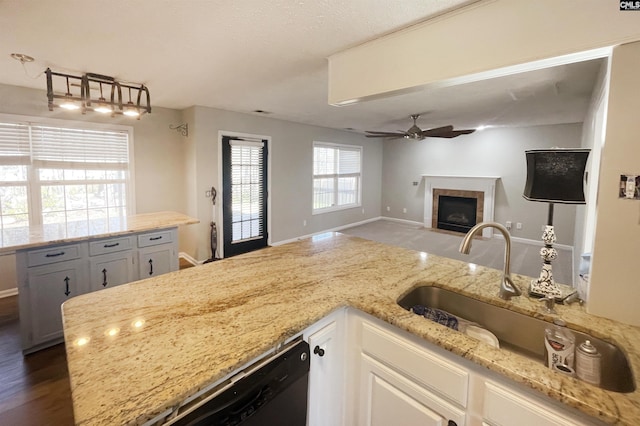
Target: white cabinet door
389, 398
110, 270
325, 375
155, 260
49, 287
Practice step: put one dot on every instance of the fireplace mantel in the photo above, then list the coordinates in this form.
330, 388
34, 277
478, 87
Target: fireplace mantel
485, 184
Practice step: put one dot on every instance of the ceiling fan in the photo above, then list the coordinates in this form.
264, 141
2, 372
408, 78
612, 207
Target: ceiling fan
416, 132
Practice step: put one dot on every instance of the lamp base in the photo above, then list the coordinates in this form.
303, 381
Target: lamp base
544, 286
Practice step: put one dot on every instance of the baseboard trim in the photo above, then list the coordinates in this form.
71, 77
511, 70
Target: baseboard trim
336, 229
189, 259
9, 292
534, 242
405, 221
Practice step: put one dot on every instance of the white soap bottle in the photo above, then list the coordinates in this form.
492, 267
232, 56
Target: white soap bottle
559, 344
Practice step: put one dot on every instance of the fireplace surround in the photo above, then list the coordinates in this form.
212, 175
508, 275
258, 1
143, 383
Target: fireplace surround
481, 188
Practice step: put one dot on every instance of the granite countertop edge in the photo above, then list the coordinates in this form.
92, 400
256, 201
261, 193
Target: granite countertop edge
373, 291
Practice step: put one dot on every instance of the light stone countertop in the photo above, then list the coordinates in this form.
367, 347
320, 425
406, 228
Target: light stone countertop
12, 239
201, 323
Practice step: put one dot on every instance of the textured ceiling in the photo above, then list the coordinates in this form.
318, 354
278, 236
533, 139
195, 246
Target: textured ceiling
267, 55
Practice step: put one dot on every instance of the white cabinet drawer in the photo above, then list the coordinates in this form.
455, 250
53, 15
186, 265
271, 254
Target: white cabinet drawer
430, 370
53, 255
155, 238
110, 245
503, 404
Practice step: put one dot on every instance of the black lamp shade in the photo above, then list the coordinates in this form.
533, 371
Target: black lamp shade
556, 175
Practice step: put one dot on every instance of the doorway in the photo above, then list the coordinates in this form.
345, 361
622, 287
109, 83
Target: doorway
244, 194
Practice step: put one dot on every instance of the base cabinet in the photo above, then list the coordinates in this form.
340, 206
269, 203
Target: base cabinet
49, 287
398, 378
49, 276
326, 377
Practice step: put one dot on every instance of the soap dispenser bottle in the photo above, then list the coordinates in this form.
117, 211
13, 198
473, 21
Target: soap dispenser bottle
559, 344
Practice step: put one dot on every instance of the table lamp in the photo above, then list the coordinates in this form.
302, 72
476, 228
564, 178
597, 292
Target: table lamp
554, 175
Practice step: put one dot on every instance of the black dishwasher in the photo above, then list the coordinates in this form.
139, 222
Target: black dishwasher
273, 392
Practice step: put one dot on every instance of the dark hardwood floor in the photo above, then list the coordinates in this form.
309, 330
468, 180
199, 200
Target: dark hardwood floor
34, 389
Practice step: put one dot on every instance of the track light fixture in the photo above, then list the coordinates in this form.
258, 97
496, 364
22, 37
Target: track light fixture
85, 101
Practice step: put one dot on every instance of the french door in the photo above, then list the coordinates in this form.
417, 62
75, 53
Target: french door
244, 200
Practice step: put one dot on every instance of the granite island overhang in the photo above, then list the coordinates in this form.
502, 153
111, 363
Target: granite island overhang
139, 349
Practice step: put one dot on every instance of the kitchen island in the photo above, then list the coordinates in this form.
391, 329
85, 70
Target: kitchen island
139, 349
55, 262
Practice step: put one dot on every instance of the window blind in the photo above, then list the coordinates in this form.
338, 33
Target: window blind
69, 148
14, 144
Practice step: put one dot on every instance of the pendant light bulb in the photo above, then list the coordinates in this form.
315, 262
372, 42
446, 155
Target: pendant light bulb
102, 106
130, 109
69, 103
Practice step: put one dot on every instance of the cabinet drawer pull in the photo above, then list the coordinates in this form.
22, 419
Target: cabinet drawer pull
104, 277
54, 254
66, 283
318, 350
111, 245
150, 266
155, 238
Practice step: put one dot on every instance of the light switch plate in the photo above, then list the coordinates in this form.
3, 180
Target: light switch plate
629, 187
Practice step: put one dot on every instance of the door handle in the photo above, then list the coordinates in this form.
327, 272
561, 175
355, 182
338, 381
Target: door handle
104, 277
150, 266
66, 283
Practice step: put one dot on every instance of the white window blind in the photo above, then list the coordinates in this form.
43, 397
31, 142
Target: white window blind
247, 193
14, 144
337, 173
60, 174
71, 148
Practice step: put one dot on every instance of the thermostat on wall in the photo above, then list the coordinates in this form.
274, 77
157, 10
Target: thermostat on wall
630, 187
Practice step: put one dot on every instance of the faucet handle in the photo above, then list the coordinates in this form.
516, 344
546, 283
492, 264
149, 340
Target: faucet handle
549, 302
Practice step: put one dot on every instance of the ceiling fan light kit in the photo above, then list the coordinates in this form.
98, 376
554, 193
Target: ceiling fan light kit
83, 100
417, 133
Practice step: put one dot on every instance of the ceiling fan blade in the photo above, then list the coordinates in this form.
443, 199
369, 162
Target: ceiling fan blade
373, 134
436, 131
453, 134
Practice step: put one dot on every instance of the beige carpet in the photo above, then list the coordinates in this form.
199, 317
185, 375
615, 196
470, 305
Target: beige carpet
525, 257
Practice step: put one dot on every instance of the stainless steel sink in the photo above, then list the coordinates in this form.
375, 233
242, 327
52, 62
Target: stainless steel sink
521, 333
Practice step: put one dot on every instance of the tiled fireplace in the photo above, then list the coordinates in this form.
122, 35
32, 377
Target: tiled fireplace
456, 203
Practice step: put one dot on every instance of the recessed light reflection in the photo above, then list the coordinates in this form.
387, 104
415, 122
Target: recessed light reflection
81, 341
423, 255
472, 267
112, 332
137, 323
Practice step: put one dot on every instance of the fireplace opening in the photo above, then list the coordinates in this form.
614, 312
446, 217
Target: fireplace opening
456, 213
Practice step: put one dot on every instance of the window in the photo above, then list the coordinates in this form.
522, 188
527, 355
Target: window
51, 174
337, 176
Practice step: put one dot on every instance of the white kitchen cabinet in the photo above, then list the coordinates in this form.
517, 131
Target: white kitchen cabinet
503, 404
110, 270
49, 276
157, 253
49, 286
326, 378
389, 398
404, 380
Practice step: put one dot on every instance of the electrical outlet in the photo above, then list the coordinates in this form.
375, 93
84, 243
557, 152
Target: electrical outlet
362, 211
518, 225
388, 208
304, 223
404, 210
508, 225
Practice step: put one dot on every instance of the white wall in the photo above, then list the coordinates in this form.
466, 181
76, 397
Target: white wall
614, 290
158, 155
491, 152
291, 156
